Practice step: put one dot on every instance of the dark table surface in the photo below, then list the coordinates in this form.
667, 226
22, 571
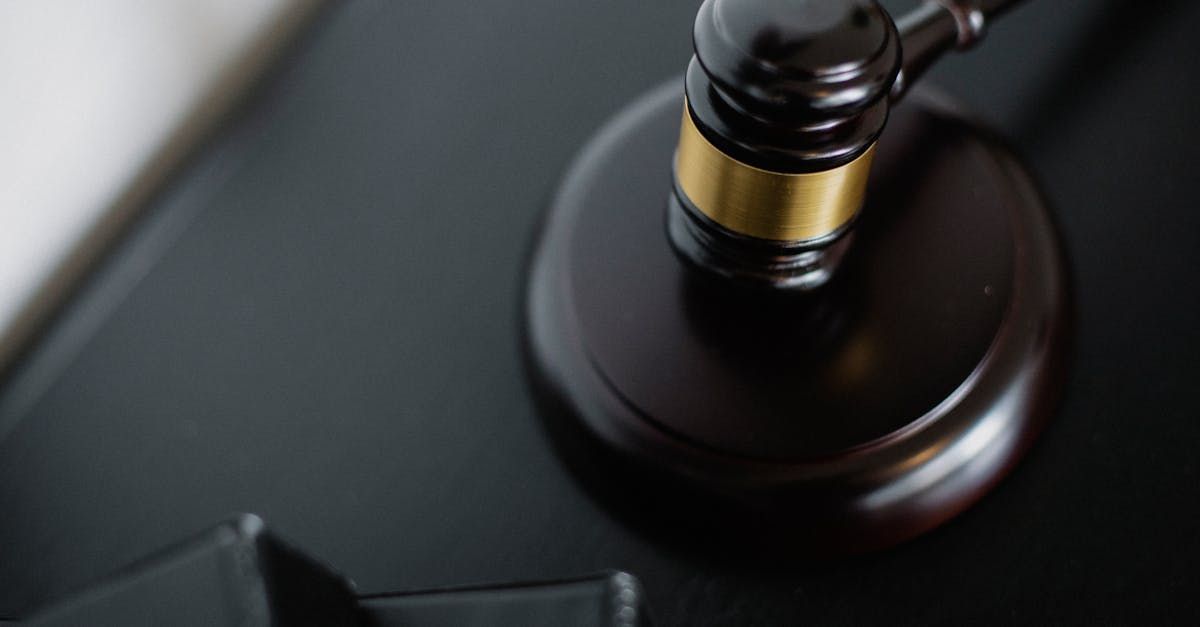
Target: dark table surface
317, 321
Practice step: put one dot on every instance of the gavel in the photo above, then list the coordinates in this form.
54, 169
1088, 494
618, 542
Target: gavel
785, 104
825, 310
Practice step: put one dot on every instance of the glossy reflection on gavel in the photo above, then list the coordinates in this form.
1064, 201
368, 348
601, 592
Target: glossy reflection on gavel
795, 292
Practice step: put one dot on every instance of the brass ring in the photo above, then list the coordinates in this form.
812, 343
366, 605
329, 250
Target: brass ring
765, 204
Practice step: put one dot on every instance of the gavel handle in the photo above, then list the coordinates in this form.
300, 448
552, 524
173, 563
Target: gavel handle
938, 26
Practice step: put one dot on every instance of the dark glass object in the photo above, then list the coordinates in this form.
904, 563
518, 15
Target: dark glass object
612, 599
238, 574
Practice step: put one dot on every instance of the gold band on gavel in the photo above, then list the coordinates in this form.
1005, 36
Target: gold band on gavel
764, 204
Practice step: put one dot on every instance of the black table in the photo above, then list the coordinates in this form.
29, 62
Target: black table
317, 321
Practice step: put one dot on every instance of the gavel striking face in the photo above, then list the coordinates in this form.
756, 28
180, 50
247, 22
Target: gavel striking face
856, 322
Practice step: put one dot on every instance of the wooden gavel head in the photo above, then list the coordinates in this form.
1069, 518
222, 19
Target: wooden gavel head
785, 101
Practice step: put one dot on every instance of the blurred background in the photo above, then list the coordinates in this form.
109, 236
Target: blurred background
102, 99
265, 255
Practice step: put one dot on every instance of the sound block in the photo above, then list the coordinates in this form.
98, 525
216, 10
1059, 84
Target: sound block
843, 420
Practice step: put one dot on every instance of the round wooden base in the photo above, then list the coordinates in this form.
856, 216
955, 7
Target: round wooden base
843, 420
